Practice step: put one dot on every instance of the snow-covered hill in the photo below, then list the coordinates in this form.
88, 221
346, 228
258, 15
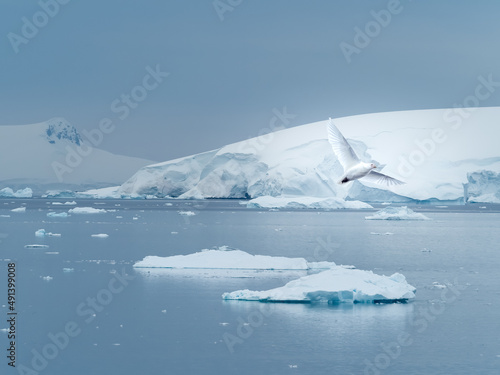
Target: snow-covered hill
432, 150
53, 154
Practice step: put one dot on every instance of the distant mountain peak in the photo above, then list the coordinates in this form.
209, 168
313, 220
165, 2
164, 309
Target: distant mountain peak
59, 128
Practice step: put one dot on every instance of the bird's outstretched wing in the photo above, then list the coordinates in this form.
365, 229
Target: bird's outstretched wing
346, 155
381, 179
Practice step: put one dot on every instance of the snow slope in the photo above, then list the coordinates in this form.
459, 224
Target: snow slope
432, 150
32, 150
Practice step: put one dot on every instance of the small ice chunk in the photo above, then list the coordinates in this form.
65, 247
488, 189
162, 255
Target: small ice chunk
4, 215
57, 214
68, 269
174, 232
72, 203
186, 213
19, 209
43, 233
36, 246
86, 210
46, 278
100, 235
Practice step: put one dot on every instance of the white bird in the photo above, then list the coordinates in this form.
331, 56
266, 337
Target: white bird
354, 168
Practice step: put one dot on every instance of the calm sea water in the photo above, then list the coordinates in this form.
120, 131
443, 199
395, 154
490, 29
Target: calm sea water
97, 315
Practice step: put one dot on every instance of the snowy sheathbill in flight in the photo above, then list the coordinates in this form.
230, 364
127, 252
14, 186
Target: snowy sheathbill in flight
354, 168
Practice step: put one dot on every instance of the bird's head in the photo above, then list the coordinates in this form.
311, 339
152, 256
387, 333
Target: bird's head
373, 166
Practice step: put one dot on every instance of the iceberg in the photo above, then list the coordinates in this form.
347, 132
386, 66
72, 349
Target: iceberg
57, 214
397, 213
86, 210
21, 193
227, 258
482, 187
304, 202
336, 285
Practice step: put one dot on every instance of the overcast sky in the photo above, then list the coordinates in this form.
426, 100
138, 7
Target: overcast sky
231, 67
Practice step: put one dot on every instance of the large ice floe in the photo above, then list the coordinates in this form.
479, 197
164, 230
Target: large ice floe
336, 285
397, 213
303, 202
226, 258
333, 284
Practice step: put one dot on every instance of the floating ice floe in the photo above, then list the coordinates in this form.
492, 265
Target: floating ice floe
227, 258
36, 246
186, 213
100, 235
4, 215
304, 202
72, 203
335, 285
382, 234
46, 278
43, 233
21, 193
86, 210
397, 213
67, 270
19, 209
57, 214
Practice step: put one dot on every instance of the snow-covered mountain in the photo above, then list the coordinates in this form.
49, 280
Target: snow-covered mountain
53, 154
433, 151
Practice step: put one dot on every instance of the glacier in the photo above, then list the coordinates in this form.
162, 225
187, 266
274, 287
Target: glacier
225, 257
424, 148
336, 285
482, 187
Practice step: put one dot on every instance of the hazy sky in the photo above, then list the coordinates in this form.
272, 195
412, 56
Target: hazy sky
232, 68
